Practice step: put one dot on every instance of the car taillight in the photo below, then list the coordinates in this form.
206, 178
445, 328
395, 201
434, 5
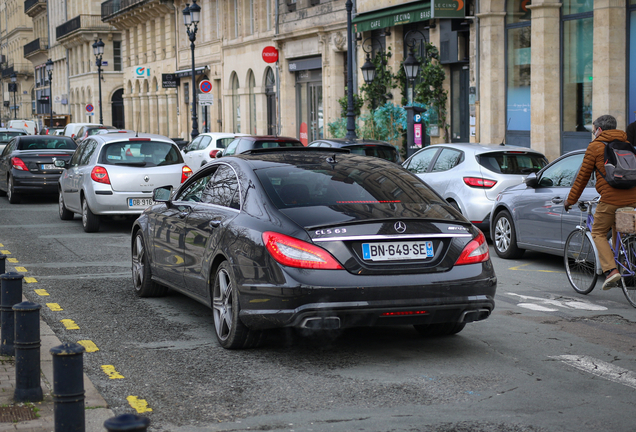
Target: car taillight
213, 153
18, 164
476, 251
291, 252
479, 182
100, 175
185, 173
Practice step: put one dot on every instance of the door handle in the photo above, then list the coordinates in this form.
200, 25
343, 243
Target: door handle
214, 223
183, 214
557, 200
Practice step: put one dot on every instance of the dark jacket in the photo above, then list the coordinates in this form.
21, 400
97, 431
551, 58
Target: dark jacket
631, 133
595, 158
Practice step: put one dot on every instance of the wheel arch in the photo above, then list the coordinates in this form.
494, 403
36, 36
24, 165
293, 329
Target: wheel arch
214, 266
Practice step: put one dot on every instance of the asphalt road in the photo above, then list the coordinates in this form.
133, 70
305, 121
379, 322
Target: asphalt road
547, 359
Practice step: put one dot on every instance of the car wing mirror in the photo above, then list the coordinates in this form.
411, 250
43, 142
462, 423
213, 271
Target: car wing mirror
218, 154
59, 163
162, 194
531, 180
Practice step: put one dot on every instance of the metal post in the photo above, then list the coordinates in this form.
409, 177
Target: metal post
15, 101
351, 116
195, 123
99, 78
127, 423
27, 352
68, 387
11, 286
3, 259
51, 99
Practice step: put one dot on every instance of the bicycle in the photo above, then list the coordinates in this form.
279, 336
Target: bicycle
581, 257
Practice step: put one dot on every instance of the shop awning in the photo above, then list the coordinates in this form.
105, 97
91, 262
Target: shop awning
409, 13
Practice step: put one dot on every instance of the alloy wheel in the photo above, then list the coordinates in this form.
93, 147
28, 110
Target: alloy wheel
223, 305
502, 234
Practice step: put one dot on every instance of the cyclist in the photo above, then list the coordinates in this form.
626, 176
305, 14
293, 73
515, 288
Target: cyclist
603, 130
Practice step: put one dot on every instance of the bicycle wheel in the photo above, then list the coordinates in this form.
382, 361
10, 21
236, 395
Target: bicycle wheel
628, 260
580, 262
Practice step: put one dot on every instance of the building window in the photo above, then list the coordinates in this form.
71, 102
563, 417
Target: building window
186, 93
252, 95
578, 39
236, 19
251, 16
518, 69
236, 105
117, 55
268, 18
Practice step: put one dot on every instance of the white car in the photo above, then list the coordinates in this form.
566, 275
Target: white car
70, 130
204, 148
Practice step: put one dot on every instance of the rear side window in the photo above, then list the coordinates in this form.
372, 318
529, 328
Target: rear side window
6, 136
271, 144
40, 144
382, 152
144, 153
512, 162
223, 142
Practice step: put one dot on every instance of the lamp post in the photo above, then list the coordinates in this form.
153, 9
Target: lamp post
14, 80
191, 16
351, 116
411, 70
98, 50
49, 71
368, 68
411, 64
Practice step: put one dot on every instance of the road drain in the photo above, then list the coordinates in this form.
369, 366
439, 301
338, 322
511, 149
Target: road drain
13, 414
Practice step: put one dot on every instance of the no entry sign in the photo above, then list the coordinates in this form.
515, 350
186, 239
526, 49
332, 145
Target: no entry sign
270, 54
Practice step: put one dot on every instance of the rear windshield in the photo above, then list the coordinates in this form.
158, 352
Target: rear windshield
41, 144
270, 144
343, 184
146, 153
383, 152
6, 136
512, 162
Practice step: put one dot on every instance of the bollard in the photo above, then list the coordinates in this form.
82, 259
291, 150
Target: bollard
10, 295
68, 387
3, 259
27, 352
127, 423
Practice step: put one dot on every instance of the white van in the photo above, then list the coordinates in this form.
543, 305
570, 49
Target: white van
27, 125
71, 129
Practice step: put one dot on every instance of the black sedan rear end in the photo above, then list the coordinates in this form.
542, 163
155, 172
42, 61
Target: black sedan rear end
27, 164
314, 240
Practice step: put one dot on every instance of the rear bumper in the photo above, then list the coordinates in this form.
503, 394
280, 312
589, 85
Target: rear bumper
27, 182
108, 202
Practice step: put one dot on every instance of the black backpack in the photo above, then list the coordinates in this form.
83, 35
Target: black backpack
620, 164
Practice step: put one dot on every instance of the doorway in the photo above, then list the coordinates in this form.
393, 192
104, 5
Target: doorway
309, 105
117, 110
459, 104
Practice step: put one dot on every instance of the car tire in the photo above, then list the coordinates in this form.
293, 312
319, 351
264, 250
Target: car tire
504, 237
141, 272
65, 214
13, 197
439, 329
90, 221
230, 330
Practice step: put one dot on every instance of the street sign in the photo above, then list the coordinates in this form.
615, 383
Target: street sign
205, 99
89, 108
417, 118
205, 86
168, 81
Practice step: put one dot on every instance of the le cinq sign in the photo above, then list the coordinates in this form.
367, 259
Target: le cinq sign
270, 54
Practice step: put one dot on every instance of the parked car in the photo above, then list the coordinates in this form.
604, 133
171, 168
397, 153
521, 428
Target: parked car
27, 164
530, 216
48, 130
313, 239
204, 148
375, 148
469, 176
28, 125
245, 143
114, 174
88, 130
70, 130
7, 134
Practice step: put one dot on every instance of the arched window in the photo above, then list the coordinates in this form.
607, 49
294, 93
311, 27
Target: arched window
251, 85
270, 96
236, 105
518, 71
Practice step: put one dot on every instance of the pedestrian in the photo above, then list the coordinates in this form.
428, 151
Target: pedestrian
604, 131
631, 133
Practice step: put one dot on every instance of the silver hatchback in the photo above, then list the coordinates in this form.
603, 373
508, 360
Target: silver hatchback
115, 174
469, 175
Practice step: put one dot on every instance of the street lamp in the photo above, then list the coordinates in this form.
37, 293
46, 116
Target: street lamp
191, 16
14, 78
98, 50
351, 116
49, 71
411, 64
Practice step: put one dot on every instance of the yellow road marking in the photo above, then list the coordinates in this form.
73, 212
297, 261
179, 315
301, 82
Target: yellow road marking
139, 404
30, 280
12, 260
259, 300
69, 324
5, 252
111, 372
21, 269
54, 307
518, 268
1, 245
89, 345
41, 292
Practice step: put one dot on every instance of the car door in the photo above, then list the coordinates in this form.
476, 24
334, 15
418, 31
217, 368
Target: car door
83, 171
188, 152
420, 162
5, 163
198, 155
68, 181
207, 223
540, 210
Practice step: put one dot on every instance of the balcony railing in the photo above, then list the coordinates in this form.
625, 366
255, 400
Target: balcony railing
7, 72
36, 45
28, 4
112, 7
81, 22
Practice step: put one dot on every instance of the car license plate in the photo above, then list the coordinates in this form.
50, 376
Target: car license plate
139, 202
48, 167
394, 251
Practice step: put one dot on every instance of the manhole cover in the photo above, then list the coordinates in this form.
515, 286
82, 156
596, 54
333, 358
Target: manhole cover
13, 414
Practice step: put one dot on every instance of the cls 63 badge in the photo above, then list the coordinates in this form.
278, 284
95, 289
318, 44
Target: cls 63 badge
331, 231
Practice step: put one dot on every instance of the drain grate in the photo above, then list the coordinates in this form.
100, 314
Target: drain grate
13, 414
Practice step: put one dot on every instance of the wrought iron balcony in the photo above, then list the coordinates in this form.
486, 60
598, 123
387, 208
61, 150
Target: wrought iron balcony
30, 6
113, 7
7, 72
36, 45
81, 23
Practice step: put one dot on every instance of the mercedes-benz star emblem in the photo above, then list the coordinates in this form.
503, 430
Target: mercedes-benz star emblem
400, 227
146, 179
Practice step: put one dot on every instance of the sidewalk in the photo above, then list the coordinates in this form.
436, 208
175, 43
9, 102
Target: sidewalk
38, 416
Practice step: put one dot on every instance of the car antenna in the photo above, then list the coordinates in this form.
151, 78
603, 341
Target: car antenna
503, 141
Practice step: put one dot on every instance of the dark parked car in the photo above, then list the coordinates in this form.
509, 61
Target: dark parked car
27, 164
245, 143
375, 148
88, 130
313, 239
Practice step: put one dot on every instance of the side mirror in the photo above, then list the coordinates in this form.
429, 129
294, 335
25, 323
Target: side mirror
218, 154
60, 163
162, 194
531, 180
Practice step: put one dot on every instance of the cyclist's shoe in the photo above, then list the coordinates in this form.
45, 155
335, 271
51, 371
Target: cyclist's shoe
611, 279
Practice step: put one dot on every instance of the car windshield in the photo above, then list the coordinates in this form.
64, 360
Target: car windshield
345, 183
5, 137
44, 144
383, 152
512, 162
145, 153
270, 144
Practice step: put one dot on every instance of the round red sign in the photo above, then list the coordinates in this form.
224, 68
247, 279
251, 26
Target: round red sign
270, 54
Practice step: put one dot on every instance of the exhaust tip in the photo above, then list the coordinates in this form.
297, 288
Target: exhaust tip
321, 323
474, 315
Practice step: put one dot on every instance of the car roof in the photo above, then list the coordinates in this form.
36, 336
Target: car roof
261, 158
43, 137
118, 137
222, 134
477, 148
269, 138
353, 141
9, 129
